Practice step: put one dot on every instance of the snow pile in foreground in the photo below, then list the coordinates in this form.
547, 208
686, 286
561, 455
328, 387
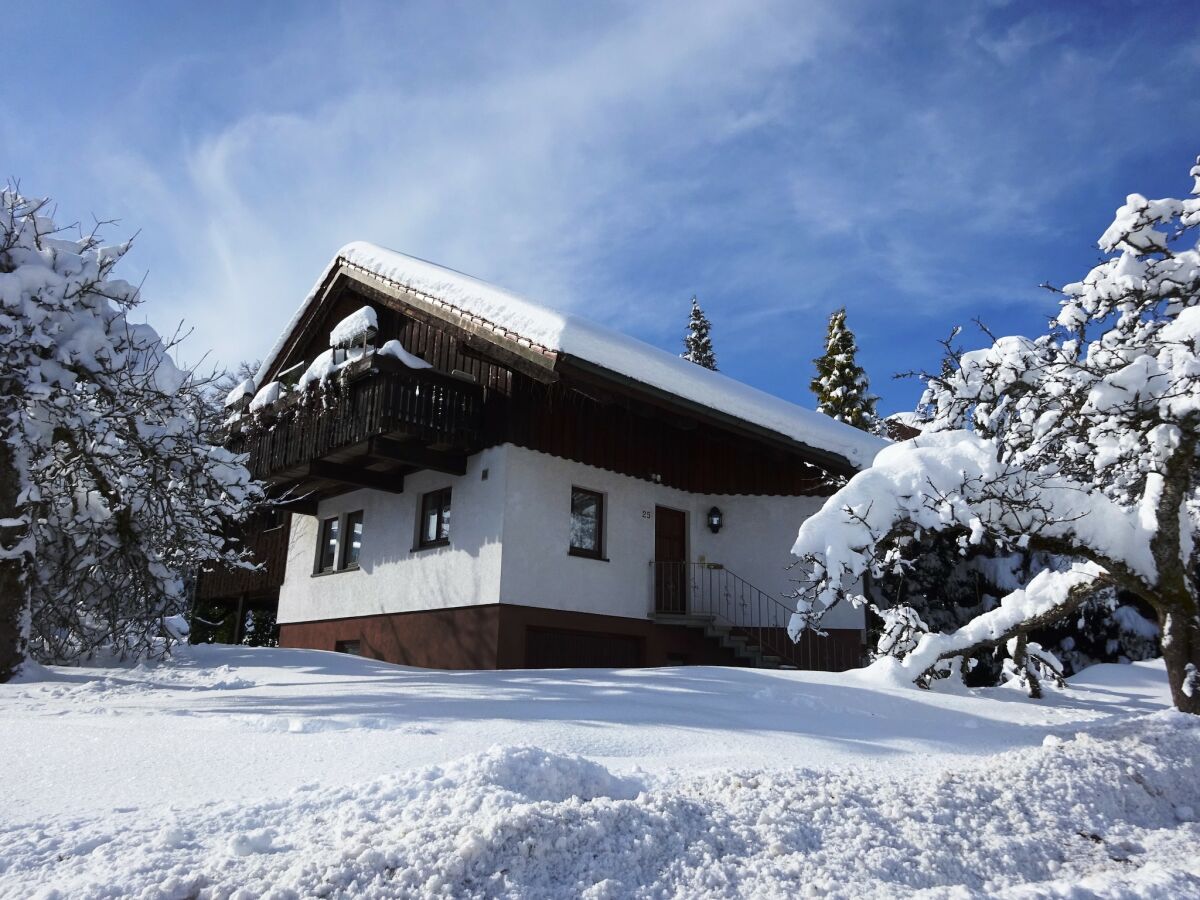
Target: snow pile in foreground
1107, 813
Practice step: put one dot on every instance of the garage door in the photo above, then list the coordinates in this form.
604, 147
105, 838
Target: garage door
552, 648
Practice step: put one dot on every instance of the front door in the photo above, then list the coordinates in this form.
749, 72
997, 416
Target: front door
670, 560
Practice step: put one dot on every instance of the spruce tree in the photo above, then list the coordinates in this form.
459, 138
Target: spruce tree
841, 384
697, 343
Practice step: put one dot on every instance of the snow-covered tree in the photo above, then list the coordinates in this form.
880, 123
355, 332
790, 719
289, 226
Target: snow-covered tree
946, 582
697, 343
220, 388
841, 385
1081, 443
109, 494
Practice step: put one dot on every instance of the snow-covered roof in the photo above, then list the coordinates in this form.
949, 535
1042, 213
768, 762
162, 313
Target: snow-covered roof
909, 418
567, 334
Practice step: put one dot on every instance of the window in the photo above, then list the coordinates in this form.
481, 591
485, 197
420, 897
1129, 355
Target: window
435, 519
353, 542
354, 648
328, 546
340, 543
587, 523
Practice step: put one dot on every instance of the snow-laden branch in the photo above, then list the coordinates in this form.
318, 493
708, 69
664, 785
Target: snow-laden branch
1048, 596
956, 481
1081, 442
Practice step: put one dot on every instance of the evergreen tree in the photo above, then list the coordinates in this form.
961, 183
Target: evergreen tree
841, 384
697, 342
940, 582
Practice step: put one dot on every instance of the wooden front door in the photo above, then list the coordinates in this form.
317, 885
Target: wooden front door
670, 560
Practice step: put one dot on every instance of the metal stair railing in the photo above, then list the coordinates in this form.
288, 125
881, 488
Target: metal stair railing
711, 590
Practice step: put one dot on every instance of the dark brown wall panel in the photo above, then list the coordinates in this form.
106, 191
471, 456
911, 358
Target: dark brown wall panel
268, 546
508, 636
610, 434
416, 332
460, 638
661, 645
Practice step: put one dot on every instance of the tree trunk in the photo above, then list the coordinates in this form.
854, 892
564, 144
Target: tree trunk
1178, 608
14, 586
1181, 653
1025, 672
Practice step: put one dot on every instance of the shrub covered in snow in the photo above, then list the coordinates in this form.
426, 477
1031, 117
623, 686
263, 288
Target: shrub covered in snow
945, 582
109, 492
1080, 443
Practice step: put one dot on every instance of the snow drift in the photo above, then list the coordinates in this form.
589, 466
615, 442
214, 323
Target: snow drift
1115, 807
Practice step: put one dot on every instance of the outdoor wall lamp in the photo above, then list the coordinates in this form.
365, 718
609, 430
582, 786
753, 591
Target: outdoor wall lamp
715, 520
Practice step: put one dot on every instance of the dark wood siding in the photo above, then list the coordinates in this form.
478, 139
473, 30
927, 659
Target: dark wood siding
438, 343
614, 432
268, 544
582, 418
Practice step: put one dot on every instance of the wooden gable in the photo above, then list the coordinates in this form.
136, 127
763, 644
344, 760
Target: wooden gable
551, 403
425, 329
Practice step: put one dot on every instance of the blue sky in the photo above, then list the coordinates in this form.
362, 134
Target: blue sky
922, 164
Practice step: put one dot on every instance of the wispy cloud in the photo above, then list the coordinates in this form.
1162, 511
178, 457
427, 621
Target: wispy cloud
539, 176
913, 162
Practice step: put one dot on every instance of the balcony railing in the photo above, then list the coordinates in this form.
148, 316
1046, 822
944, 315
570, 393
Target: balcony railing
710, 591
383, 401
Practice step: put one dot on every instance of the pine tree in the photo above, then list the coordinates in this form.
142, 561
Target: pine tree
841, 384
697, 342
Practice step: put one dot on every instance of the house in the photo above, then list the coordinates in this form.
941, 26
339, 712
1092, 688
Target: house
475, 481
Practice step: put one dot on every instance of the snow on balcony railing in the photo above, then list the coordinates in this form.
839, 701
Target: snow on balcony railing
374, 397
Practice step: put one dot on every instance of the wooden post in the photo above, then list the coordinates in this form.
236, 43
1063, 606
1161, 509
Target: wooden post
239, 623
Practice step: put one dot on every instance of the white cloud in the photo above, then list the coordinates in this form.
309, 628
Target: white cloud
537, 177
778, 160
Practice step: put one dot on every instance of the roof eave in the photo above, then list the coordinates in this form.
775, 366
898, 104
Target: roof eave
831, 462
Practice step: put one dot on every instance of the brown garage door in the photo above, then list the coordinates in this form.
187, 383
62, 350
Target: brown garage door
553, 648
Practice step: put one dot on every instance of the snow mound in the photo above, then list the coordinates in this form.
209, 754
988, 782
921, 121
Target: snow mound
244, 389
269, 394
1111, 810
560, 332
354, 328
396, 351
536, 775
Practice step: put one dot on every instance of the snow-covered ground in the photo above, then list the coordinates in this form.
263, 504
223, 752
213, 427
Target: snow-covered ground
232, 772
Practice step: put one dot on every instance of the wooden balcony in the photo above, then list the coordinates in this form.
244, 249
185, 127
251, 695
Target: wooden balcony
378, 422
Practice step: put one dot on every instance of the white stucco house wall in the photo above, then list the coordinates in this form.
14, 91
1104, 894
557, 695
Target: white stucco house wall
474, 480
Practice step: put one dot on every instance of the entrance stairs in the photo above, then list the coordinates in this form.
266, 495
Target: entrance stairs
740, 617
741, 645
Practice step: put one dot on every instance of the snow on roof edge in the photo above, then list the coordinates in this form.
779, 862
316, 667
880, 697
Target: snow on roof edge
572, 335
